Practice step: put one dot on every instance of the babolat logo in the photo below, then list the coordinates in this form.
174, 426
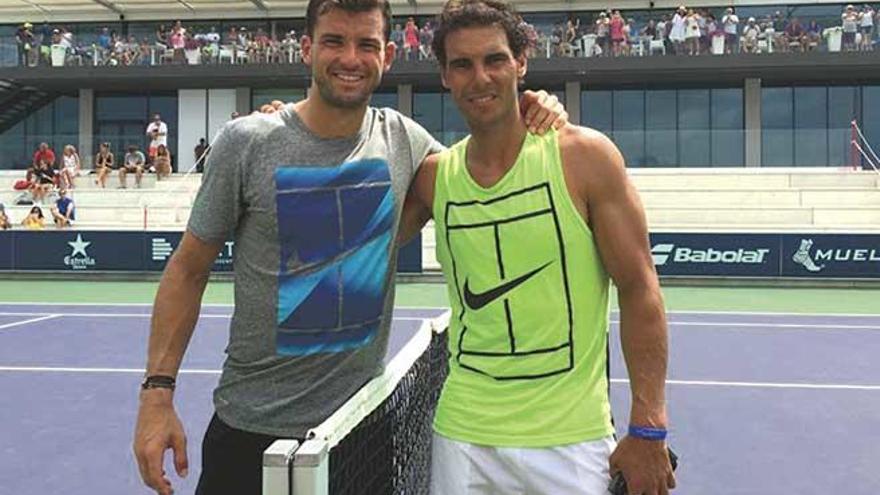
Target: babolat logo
662, 253
816, 262
78, 247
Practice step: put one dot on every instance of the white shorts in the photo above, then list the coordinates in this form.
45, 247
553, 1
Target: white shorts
460, 468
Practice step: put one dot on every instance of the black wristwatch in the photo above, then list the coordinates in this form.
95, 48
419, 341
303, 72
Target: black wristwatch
158, 381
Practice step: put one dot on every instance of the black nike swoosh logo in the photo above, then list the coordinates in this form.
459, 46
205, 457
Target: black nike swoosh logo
477, 301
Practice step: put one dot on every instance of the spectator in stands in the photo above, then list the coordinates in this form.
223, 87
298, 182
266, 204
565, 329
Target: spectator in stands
730, 24
44, 179
71, 167
162, 162
750, 36
603, 33
24, 40
850, 23
44, 152
678, 33
617, 37
162, 42
104, 163
692, 36
104, 43
397, 36
570, 38
157, 131
814, 34
5, 223
134, 162
411, 39
796, 34
426, 37
34, 219
866, 26
201, 154
64, 211
178, 42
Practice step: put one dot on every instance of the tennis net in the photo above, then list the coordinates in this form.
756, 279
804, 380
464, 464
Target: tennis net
379, 441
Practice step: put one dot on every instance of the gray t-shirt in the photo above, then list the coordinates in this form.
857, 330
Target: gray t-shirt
314, 222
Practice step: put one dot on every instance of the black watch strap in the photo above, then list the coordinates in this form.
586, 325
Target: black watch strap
158, 381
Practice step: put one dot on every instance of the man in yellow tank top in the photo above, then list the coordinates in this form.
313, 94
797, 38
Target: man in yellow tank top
530, 232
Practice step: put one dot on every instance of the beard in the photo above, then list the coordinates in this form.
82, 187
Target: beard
333, 98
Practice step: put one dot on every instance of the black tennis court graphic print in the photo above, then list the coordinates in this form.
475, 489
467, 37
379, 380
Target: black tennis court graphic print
507, 253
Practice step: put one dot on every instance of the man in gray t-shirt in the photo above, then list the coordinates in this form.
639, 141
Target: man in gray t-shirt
312, 196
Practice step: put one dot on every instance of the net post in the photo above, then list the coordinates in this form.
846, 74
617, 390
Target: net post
277, 461
311, 468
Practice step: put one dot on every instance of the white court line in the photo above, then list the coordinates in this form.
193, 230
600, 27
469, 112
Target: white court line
428, 308
809, 386
56, 369
702, 383
144, 315
730, 324
25, 322
794, 326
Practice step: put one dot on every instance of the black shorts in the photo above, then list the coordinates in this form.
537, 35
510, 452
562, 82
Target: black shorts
232, 460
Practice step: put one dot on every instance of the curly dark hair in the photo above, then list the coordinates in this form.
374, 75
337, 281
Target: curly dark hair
459, 14
317, 8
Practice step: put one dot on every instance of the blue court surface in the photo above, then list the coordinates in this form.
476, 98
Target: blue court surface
759, 403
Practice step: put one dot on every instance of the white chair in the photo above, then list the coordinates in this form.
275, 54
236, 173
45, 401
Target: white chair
656, 45
718, 45
242, 56
588, 42
227, 52
193, 57
57, 54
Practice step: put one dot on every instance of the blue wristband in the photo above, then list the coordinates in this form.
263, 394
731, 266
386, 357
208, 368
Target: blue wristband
647, 433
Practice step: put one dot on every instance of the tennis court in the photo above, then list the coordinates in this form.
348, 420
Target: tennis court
759, 402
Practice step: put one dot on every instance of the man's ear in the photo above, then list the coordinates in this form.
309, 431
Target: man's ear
443, 77
390, 52
522, 65
306, 49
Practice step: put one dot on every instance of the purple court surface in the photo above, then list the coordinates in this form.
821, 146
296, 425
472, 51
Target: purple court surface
759, 403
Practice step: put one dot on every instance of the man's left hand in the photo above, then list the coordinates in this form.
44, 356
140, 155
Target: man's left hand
541, 110
645, 466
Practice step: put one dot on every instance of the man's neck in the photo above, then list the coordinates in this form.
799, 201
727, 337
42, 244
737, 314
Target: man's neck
497, 146
328, 121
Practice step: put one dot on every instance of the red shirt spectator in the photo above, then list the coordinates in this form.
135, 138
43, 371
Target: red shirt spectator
44, 153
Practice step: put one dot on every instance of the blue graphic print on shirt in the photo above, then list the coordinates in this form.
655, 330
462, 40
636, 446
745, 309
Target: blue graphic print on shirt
335, 231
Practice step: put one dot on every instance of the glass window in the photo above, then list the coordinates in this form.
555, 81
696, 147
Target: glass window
811, 126
777, 137
454, 125
56, 123
629, 125
380, 100
661, 129
438, 114
596, 110
842, 108
428, 111
121, 119
693, 128
870, 121
728, 141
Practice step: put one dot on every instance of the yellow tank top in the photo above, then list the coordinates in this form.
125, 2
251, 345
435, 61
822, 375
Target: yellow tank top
530, 302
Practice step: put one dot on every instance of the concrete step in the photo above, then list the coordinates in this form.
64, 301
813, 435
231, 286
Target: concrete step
772, 198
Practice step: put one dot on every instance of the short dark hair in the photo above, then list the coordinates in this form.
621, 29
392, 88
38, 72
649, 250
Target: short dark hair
317, 8
459, 14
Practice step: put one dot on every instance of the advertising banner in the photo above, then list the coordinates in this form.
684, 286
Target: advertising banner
743, 255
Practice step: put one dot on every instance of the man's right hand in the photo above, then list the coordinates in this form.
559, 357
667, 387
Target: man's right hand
158, 429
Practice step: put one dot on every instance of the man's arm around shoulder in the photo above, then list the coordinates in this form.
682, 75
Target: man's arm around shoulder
417, 207
617, 220
175, 312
